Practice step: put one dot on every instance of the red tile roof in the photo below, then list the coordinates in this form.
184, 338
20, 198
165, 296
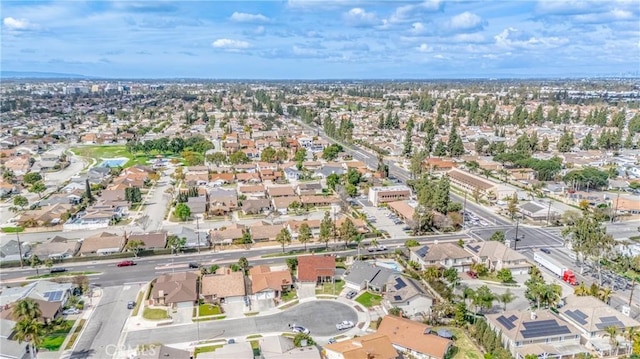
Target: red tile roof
312, 267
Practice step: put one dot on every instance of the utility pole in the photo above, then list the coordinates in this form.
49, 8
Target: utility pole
615, 211
548, 213
464, 211
633, 286
19, 245
515, 240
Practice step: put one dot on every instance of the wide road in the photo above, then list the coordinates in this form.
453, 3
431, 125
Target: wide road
103, 330
320, 317
148, 268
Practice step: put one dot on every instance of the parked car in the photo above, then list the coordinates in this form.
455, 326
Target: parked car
194, 265
351, 294
332, 340
545, 250
57, 270
472, 274
345, 324
126, 264
300, 329
71, 311
131, 304
376, 248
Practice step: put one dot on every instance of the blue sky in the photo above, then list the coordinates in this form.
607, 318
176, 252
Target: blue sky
302, 39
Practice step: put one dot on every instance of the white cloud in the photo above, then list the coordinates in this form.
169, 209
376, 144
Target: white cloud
16, 24
424, 48
246, 17
466, 21
610, 16
418, 28
359, 17
512, 38
230, 44
408, 12
469, 38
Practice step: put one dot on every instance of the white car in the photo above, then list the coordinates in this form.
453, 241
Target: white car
345, 324
71, 311
377, 248
299, 329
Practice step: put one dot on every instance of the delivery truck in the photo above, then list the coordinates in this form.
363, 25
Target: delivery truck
556, 268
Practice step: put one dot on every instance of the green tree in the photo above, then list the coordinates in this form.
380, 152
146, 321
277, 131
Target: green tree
48, 263
20, 201
409, 243
32, 177
182, 211
330, 153
455, 146
87, 191
587, 142
299, 338
348, 232
176, 243
484, 298
268, 154
442, 199
440, 150
505, 275
326, 229
243, 263
565, 143
497, 236
31, 331
135, 246
284, 238
292, 264
332, 181
38, 188
304, 234
217, 158
35, 262
238, 157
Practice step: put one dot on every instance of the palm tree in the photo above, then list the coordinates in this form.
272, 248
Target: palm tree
581, 290
26, 309
612, 332
506, 298
468, 293
604, 294
29, 330
431, 273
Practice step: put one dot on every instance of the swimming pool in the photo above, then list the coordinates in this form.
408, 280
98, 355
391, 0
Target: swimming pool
391, 265
113, 162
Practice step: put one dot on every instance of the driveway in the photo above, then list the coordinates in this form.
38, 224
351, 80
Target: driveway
306, 290
320, 317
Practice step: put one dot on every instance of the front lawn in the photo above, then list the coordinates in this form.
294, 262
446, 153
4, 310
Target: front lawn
154, 314
206, 349
207, 309
54, 339
288, 296
331, 288
369, 300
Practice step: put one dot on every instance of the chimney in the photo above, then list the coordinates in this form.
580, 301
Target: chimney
533, 316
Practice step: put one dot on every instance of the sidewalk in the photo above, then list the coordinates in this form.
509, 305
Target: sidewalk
92, 303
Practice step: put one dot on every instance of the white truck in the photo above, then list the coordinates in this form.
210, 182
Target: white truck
556, 268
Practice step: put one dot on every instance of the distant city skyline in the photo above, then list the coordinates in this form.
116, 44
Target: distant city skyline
329, 39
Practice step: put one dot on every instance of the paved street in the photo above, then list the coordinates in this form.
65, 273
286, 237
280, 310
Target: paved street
102, 332
320, 317
530, 237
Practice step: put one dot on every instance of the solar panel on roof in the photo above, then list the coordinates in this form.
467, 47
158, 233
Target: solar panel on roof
422, 251
475, 248
512, 318
505, 322
543, 328
608, 319
399, 284
578, 316
397, 297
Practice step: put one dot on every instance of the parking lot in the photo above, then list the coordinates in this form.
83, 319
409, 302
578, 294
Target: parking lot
384, 220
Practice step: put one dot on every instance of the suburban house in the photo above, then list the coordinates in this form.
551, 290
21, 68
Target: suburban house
592, 317
367, 275
50, 296
178, 289
193, 238
255, 206
153, 240
227, 235
10, 252
280, 191
57, 248
198, 205
9, 347
163, 352
222, 201
447, 255
414, 338
379, 195
228, 287
497, 256
294, 227
46, 216
280, 347
536, 333
102, 244
316, 269
309, 188
370, 346
253, 191
538, 211
281, 204
263, 232
407, 295
402, 209
268, 284
238, 350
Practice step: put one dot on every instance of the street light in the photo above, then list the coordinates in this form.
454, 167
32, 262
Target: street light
516, 238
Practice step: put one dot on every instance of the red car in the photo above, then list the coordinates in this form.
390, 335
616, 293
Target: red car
126, 263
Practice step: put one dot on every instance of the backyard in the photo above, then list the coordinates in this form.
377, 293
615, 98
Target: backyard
331, 288
369, 300
463, 346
